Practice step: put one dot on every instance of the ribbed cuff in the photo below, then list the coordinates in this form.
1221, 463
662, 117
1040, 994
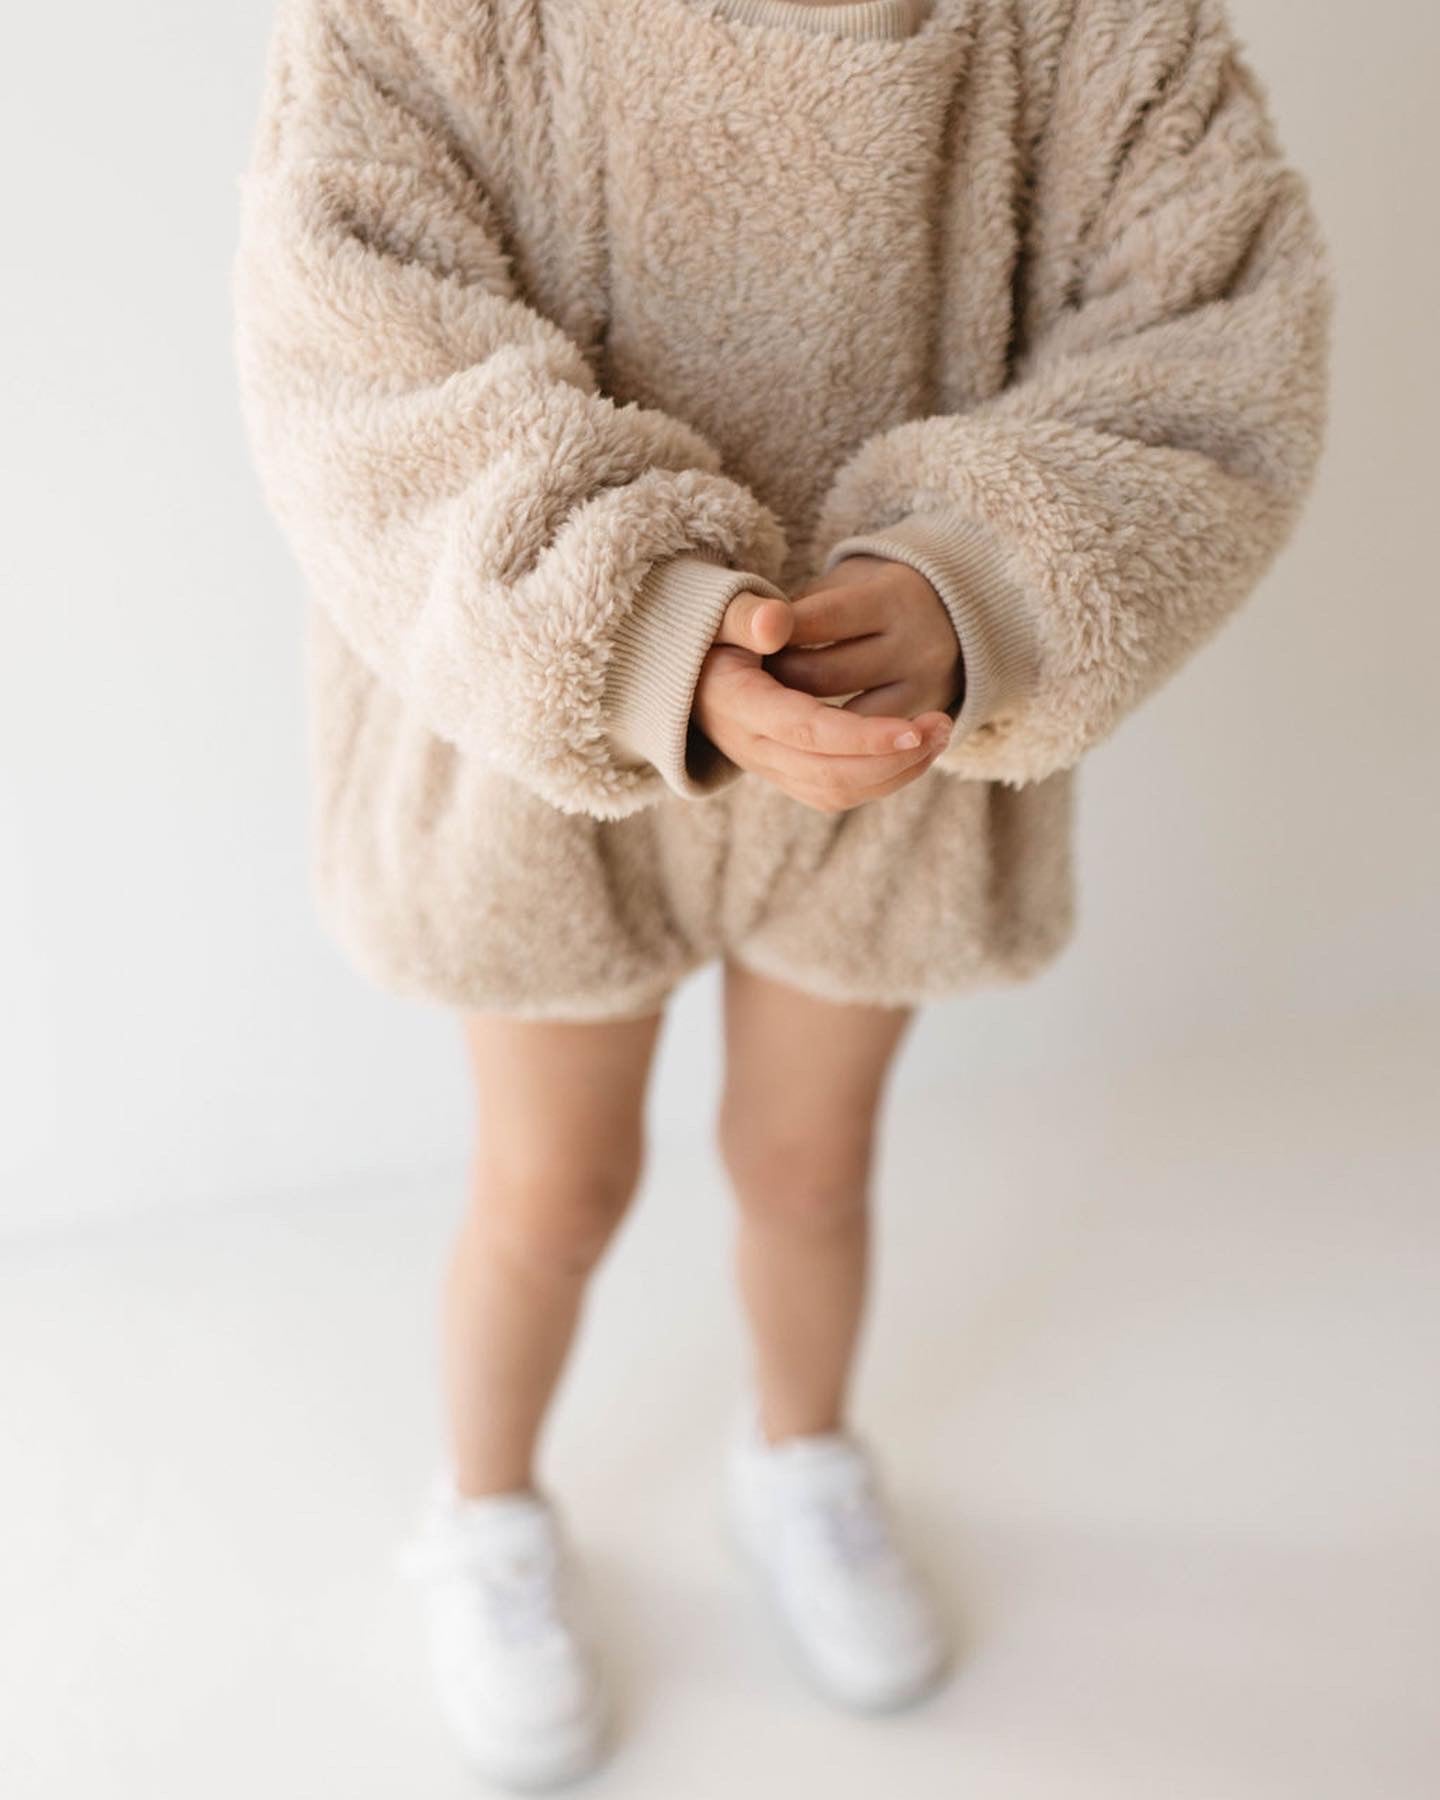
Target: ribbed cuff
871, 19
993, 614
654, 664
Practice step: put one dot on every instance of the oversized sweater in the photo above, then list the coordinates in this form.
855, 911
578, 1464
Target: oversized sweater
560, 322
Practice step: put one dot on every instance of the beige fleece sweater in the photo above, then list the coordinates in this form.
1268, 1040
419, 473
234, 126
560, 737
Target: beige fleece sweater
561, 321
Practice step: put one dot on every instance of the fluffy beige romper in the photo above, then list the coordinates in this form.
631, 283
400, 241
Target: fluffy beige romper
561, 321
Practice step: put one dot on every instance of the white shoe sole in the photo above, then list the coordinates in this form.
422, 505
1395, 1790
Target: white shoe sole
557, 1761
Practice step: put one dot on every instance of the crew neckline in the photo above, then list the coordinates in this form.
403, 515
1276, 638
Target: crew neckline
866, 19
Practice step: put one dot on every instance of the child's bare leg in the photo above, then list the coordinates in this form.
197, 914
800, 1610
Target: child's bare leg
803, 1084
560, 1110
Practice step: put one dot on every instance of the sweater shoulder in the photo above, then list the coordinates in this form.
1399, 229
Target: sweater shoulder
475, 19
1091, 70
438, 37
1053, 21
1058, 36
470, 76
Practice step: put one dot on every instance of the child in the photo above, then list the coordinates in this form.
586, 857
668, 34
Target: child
744, 452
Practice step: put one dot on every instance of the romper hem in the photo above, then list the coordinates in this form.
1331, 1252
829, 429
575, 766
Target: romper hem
821, 985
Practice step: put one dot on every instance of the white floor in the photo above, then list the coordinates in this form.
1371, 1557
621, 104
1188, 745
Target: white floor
1155, 1368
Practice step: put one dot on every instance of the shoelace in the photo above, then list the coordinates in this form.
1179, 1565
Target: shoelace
515, 1594
519, 1601
845, 1521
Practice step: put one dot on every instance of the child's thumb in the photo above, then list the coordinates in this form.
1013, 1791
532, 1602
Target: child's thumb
756, 622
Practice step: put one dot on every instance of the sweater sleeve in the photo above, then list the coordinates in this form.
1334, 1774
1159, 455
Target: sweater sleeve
1092, 523
536, 569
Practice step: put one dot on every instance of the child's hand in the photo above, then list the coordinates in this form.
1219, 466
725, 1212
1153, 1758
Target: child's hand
876, 629
824, 756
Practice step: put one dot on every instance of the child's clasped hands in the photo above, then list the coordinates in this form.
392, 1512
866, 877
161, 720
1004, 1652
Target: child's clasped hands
770, 693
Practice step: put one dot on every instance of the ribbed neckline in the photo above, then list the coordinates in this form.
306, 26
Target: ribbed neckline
872, 19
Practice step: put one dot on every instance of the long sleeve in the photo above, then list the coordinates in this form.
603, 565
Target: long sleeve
1092, 523
536, 569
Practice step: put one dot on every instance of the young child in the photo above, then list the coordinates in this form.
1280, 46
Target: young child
744, 453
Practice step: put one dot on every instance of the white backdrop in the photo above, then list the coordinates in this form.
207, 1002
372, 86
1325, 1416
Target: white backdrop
1258, 846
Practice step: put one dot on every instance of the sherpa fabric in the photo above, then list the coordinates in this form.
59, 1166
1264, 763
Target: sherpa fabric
562, 321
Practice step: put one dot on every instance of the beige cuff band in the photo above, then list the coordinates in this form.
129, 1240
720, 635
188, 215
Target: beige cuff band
655, 659
993, 614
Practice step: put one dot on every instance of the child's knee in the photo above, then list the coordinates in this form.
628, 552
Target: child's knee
804, 1177
554, 1213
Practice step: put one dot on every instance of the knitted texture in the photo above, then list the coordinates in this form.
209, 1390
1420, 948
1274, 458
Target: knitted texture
560, 322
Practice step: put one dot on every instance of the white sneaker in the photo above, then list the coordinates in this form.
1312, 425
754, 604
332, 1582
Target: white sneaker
810, 1514
515, 1677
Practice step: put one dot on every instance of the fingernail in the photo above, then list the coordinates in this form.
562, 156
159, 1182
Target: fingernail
907, 740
